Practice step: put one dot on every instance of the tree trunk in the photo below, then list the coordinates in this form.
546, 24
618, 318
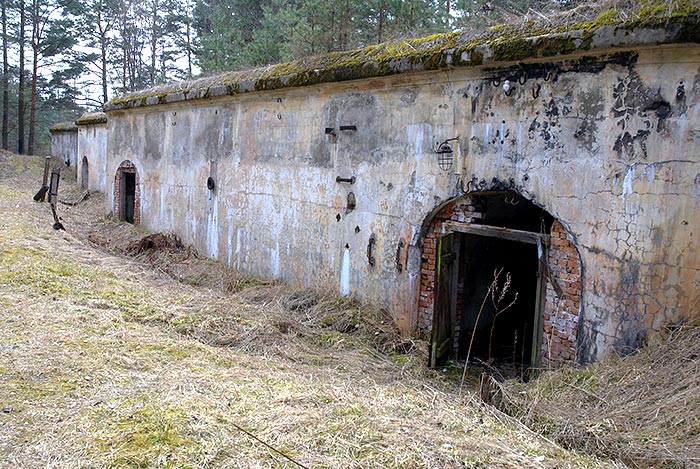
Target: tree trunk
154, 43
102, 30
447, 13
5, 82
189, 40
36, 39
380, 22
20, 94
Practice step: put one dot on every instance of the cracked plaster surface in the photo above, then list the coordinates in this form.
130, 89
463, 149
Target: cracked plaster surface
610, 149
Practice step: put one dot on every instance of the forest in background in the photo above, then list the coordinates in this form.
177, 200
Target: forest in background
63, 57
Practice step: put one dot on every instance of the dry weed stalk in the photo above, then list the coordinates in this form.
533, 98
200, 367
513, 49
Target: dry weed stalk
497, 294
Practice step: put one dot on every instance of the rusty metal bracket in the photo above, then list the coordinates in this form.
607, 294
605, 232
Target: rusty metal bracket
370, 249
350, 180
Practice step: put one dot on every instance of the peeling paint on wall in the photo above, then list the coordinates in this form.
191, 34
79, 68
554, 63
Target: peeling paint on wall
605, 143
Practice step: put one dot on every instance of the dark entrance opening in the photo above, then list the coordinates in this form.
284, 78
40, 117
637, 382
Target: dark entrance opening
128, 191
490, 284
85, 174
504, 274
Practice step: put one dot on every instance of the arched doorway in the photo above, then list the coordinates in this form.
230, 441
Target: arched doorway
500, 282
85, 173
127, 193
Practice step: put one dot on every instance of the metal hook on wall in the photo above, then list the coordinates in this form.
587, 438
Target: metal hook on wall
469, 185
549, 74
522, 78
511, 198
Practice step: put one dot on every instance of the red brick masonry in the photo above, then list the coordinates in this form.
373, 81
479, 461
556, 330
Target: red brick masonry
561, 314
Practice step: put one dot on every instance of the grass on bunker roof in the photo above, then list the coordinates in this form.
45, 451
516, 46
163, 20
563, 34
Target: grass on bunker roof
108, 361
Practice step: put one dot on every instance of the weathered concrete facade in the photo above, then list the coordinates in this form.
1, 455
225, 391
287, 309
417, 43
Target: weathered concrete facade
64, 142
91, 151
338, 184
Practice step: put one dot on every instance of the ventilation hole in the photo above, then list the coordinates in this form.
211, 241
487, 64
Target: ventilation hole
357, 229
347, 246
210, 183
337, 217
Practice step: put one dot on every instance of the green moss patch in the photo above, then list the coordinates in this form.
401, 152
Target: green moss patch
92, 118
63, 127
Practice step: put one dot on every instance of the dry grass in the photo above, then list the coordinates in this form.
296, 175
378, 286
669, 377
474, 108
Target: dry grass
108, 362
643, 409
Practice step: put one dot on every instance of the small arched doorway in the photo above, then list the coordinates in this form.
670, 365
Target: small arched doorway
85, 174
500, 283
127, 193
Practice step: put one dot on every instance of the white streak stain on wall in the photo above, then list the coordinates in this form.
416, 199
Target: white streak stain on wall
213, 226
345, 273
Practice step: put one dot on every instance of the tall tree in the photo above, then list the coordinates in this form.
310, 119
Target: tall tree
184, 37
52, 37
20, 92
5, 82
225, 30
97, 20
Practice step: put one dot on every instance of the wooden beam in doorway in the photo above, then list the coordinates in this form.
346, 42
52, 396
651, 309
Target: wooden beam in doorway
497, 232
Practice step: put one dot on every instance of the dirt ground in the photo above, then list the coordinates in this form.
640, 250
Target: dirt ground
116, 354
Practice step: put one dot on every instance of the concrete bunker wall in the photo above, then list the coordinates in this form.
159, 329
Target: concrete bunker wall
92, 146
606, 144
64, 145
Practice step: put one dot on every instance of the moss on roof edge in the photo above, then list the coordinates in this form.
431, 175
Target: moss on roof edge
63, 127
92, 118
503, 43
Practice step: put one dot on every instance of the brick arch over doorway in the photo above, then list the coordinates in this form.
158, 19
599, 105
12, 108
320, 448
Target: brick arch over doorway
127, 193
469, 238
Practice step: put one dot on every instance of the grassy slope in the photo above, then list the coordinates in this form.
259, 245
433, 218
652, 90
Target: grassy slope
103, 364
643, 409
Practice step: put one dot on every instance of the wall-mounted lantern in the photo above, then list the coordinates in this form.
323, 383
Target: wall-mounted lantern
445, 154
